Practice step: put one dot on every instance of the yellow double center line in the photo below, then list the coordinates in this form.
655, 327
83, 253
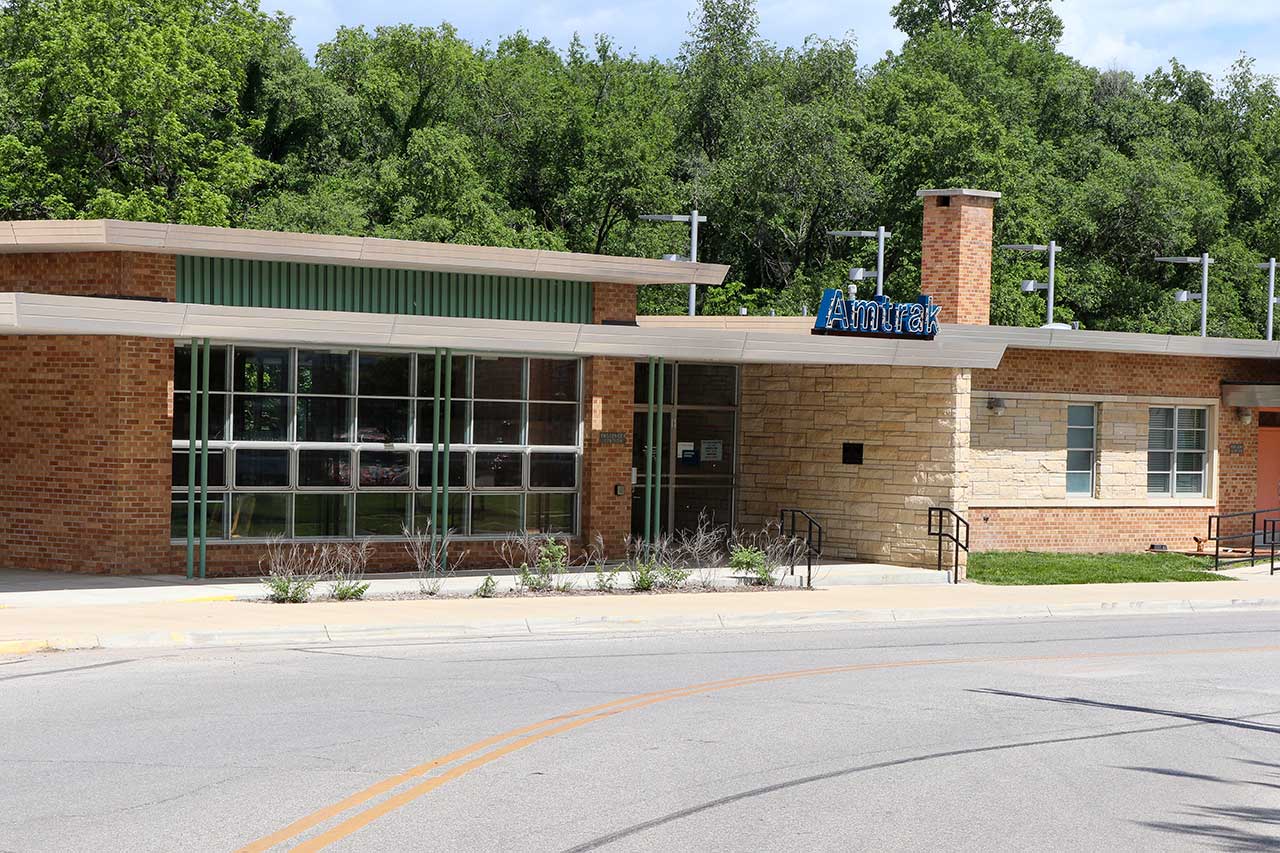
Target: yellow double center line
535, 732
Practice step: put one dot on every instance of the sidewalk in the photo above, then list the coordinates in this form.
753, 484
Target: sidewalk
196, 621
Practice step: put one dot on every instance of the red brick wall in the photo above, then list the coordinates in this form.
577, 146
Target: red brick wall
955, 257
85, 425
610, 388
614, 302
1102, 528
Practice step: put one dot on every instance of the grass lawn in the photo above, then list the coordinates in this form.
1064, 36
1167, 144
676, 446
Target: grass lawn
1016, 568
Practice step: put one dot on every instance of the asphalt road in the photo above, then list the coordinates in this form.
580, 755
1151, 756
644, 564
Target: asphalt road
1156, 732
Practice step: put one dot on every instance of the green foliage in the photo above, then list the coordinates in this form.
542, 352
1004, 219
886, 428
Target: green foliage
746, 559
606, 580
488, 587
348, 590
207, 112
645, 575
1026, 567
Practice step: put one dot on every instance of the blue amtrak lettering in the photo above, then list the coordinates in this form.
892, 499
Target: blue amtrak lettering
839, 315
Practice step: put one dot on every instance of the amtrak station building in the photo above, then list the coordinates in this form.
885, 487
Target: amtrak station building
157, 379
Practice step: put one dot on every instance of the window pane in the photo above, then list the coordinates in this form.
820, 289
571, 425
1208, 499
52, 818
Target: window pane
259, 516
457, 421
642, 383
692, 503
384, 468
498, 470
553, 470
554, 513
217, 369
260, 418
1191, 419
217, 417
324, 468
324, 372
262, 468
1190, 484
457, 512
1160, 418
217, 469
1159, 461
552, 423
1191, 440
427, 376
495, 514
704, 444
1190, 461
457, 468
497, 378
321, 515
1079, 483
496, 423
324, 419
381, 514
1079, 460
553, 379
215, 512
384, 374
707, 384
262, 370
1080, 438
1077, 415
383, 421
1158, 484
1160, 439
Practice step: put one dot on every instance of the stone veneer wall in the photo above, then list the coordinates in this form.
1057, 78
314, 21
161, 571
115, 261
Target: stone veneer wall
914, 426
1019, 457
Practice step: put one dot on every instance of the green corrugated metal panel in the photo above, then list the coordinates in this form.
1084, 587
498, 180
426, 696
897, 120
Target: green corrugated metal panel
324, 287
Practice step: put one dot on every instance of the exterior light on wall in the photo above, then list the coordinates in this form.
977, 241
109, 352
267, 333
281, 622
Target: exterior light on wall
995, 405
1031, 285
1187, 296
1270, 267
693, 219
862, 274
1245, 415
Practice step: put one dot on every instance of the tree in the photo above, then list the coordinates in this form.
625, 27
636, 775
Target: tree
1028, 19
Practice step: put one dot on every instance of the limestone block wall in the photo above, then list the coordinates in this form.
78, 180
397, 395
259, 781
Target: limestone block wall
913, 424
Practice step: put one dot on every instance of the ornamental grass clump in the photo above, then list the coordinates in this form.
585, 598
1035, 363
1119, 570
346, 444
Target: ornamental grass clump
291, 570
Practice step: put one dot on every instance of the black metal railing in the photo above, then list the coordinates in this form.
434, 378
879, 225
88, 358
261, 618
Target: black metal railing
812, 538
940, 517
1264, 536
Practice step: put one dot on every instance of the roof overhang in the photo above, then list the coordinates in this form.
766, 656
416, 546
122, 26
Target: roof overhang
1251, 396
97, 235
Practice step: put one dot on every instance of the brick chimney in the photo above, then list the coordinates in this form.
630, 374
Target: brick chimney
955, 253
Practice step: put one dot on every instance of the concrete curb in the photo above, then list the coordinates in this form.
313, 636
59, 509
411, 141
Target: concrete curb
534, 627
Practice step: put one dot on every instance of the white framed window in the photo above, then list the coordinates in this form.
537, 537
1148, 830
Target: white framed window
1081, 448
1177, 451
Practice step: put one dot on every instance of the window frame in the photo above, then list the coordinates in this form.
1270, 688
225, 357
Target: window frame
1174, 451
1092, 450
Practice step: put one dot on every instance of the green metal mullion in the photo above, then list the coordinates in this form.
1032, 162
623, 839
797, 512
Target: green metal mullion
648, 461
448, 410
435, 452
657, 464
204, 456
191, 461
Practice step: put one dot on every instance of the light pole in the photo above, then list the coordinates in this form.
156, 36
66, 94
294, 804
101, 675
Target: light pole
693, 219
1203, 296
1270, 267
1031, 285
881, 235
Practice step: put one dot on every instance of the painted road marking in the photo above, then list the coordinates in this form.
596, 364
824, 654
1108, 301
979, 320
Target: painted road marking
535, 732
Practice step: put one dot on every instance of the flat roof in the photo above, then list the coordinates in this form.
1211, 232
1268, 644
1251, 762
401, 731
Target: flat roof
97, 235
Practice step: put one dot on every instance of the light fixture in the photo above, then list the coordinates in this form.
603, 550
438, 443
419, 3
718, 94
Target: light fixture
1270, 267
881, 235
995, 405
693, 219
1031, 285
1245, 415
859, 274
1187, 296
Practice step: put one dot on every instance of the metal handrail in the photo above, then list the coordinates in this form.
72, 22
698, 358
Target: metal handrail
961, 527
810, 551
1268, 532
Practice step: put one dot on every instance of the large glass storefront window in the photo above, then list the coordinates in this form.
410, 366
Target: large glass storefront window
331, 444
699, 444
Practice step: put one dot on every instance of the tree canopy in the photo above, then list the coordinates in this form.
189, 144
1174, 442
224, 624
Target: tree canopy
206, 111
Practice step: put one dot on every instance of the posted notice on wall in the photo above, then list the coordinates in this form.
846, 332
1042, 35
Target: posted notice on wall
712, 450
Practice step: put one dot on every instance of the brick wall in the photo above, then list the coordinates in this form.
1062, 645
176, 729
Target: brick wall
610, 387
613, 302
133, 274
1019, 498
955, 256
914, 426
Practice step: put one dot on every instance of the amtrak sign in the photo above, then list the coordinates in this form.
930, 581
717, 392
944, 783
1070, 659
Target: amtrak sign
877, 317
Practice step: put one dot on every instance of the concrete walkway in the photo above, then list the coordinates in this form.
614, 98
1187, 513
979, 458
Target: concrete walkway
208, 614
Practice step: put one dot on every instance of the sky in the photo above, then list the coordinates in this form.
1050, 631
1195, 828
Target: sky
1137, 35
